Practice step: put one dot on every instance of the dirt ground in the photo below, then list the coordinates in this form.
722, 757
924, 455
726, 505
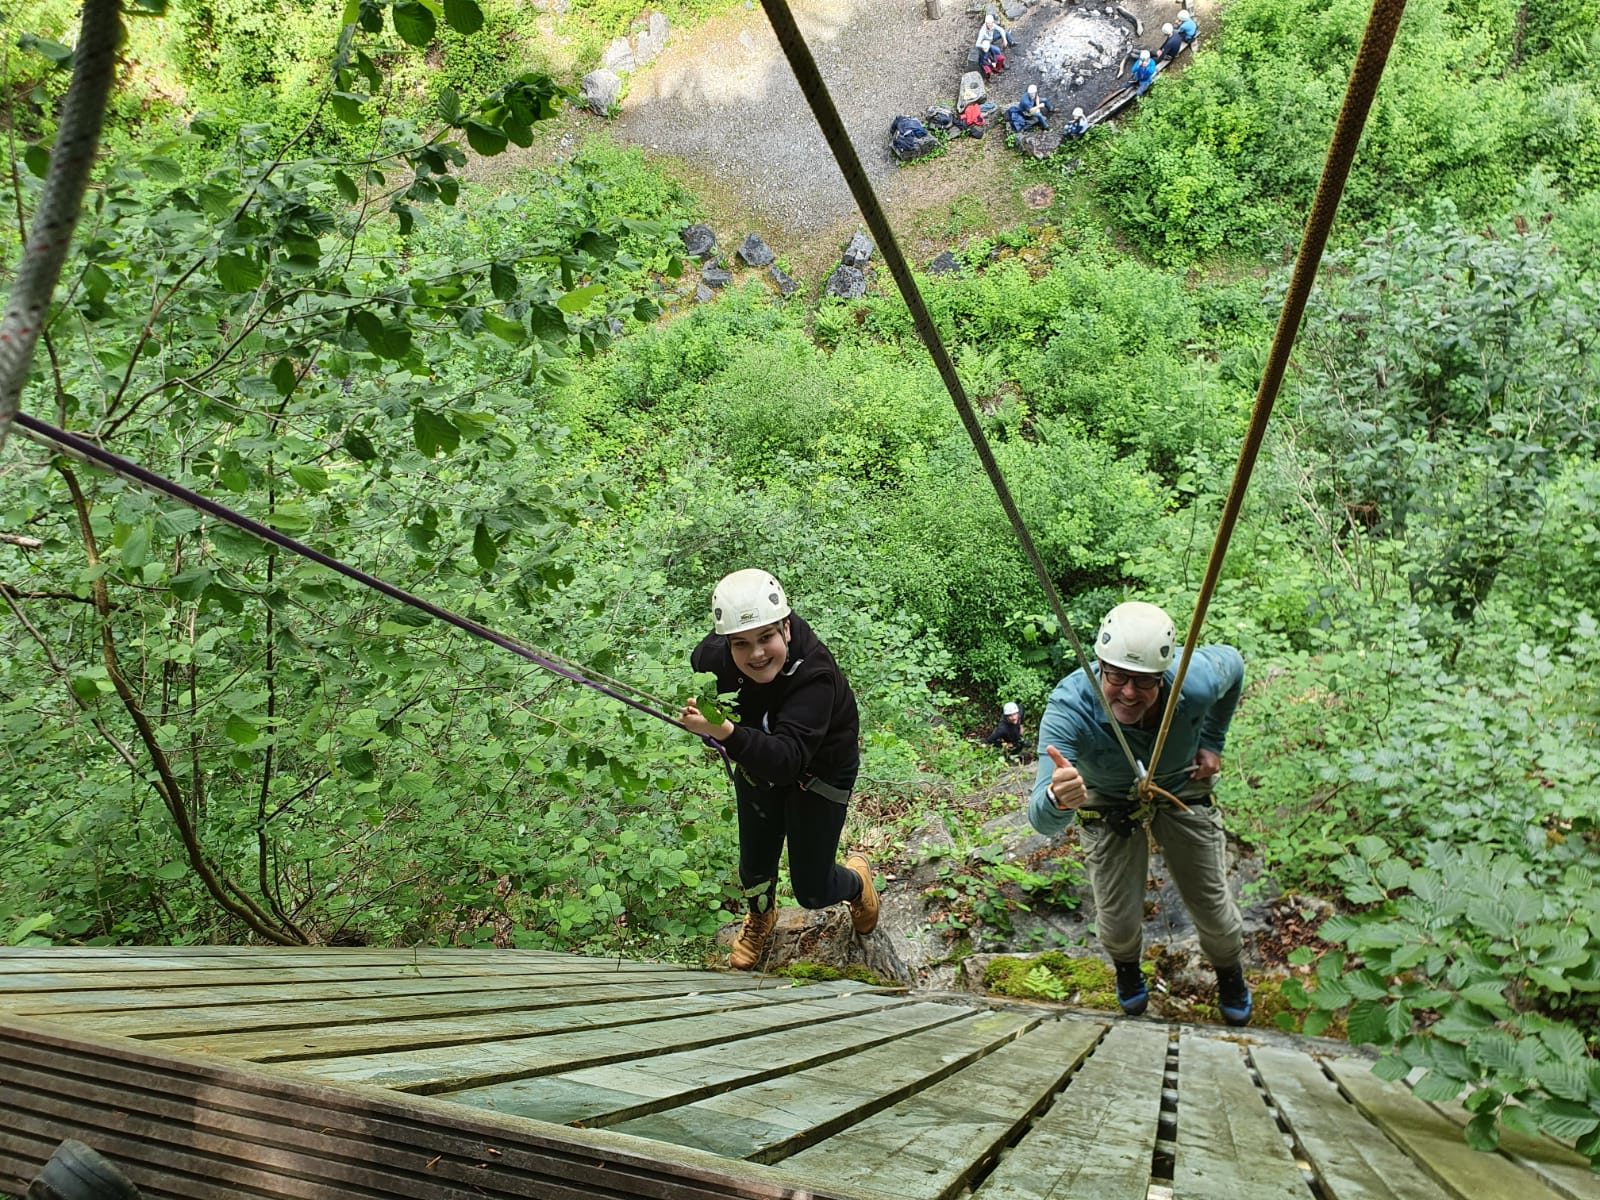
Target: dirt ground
721, 110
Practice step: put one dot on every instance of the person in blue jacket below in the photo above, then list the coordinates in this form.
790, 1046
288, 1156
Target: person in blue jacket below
1187, 29
1144, 72
1085, 776
797, 750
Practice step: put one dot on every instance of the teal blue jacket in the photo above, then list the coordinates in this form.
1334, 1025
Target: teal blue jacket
1076, 724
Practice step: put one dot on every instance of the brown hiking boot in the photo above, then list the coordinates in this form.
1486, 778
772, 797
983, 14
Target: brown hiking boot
751, 943
863, 911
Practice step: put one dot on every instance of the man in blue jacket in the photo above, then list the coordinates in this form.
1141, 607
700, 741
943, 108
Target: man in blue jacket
1143, 73
1084, 775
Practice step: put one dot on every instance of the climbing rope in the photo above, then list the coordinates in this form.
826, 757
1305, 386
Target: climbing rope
27, 308
1364, 78
844, 153
613, 689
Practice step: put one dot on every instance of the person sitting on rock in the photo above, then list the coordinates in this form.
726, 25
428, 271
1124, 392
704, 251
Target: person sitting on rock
991, 58
796, 749
1187, 29
1144, 73
1171, 47
1030, 110
996, 33
1077, 127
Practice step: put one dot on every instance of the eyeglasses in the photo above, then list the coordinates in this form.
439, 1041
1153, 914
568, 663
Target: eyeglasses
1121, 679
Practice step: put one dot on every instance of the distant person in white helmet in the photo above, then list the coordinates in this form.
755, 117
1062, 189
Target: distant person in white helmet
1085, 776
1171, 47
1077, 126
1143, 73
1008, 733
796, 746
1187, 29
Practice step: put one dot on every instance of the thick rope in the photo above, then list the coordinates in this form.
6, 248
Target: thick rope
83, 448
1364, 78
816, 93
28, 307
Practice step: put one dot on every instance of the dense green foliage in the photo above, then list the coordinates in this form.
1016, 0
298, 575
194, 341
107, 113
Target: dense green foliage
497, 396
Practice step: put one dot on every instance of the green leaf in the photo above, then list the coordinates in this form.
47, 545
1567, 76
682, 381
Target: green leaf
485, 139
1568, 1080
483, 547
37, 160
577, 301
1565, 1043
359, 764
464, 16
502, 280
1437, 1088
283, 377
1391, 1067
689, 878
169, 872
136, 549
189, 584
1519, 1119
359, 446
1482, 1132
346, 187
86, 688
313, 479
1483, 1098
347, 107
413, 22
1368, 1022
504, 329
546, 322
433, 432
1565, 1119
449, 106
161, 168
57, 55
239, 273
239, 730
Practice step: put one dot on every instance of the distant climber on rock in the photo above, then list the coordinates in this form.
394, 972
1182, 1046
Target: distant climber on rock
1077, 127
1030, 110
1008, 734
1084, 775
796, 750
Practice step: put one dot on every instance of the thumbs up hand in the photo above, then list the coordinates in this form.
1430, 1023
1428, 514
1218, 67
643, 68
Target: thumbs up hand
1066, 788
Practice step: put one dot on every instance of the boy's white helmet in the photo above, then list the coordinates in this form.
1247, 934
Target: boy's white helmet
747, 599
1167, 29
1009, 709
1077, 113
1136, 637
1144, 56
1183, 15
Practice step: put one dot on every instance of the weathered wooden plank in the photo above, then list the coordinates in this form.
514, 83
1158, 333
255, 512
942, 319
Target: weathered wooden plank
43, 981
605, 1095
478, 1065
1433, 1141
767, 1121
1562, 1167
928, 1145
1229, 1147
1099, 1136
1351, 1157
601, 1010
26, 1005
174, 1022
100, 958
348, 1143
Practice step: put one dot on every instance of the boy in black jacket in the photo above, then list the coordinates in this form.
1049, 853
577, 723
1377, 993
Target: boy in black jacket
796, 749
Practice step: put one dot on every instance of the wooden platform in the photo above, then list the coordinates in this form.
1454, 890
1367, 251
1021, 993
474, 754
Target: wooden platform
214, 1071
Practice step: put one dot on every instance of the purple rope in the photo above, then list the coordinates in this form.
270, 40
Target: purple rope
149, 479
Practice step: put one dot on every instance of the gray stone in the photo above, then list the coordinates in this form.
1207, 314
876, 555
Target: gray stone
847, 283
946, 264
755, 252
650, 41
699, 241
858, 251
972, 89
1013, 10
618, 55
715, 277
600, 91
703, 293
972, 57
786, 285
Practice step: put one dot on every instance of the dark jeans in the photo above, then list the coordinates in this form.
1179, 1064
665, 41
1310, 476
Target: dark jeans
812, 825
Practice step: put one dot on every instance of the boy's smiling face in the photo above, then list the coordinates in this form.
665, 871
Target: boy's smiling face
760, 653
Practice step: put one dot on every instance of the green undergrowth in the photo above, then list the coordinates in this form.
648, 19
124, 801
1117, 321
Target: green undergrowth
809, 972
1088, 982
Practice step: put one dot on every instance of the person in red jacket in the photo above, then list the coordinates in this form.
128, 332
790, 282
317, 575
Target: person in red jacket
797, 752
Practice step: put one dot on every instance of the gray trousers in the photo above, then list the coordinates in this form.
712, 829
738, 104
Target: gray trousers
1194, 848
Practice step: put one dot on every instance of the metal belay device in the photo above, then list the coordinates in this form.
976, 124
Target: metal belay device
77, 1172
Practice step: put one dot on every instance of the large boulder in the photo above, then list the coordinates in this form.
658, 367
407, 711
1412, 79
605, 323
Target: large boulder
600, 91
618, 55
847, 283
972, 90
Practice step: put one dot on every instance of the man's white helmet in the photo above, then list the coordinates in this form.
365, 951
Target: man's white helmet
1033, 89
1136, 637
1183, 15
1144, 56
1077, 114
1009, 709
1167, 29
747, 599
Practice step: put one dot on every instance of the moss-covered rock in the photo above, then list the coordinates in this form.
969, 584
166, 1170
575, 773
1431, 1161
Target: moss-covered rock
1052, 975
818, 973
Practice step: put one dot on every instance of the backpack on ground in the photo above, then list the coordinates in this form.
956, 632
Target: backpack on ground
909, 138
940, 117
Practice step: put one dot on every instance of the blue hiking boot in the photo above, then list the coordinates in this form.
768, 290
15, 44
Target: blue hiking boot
1132, 994
1233, 995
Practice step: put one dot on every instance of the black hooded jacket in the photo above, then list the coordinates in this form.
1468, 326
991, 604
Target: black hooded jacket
802, 723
